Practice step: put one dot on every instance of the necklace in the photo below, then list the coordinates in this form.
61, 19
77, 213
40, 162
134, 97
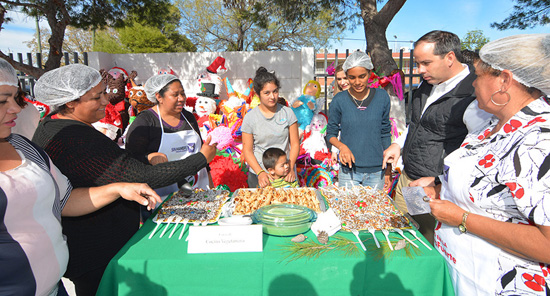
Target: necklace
359, 106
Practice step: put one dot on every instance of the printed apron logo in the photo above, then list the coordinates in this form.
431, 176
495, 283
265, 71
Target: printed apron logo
181, 149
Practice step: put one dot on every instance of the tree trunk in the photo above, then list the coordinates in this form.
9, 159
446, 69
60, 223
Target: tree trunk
58, 19
375, 24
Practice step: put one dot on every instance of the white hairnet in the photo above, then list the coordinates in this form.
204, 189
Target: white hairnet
7, 74
526, 56
154, 84
357, 59
66, 84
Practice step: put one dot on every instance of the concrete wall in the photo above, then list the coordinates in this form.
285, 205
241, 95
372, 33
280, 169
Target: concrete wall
293, 68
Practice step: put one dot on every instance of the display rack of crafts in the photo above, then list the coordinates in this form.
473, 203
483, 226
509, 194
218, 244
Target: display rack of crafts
202, 207
247, 200
364, 208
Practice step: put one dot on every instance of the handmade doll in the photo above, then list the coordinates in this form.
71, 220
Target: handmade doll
304, 106
314, 144
204, 106
116, 112
138, 100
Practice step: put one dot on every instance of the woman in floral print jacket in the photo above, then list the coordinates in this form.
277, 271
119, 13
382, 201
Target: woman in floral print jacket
493, 203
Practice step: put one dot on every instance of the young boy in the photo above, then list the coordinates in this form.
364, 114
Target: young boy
276, 164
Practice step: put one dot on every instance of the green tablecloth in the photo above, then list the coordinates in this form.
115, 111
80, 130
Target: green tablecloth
161, 266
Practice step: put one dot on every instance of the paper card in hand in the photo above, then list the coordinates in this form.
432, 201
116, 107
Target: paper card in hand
414, 198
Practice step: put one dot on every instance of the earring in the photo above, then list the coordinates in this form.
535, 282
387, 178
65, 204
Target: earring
504, 92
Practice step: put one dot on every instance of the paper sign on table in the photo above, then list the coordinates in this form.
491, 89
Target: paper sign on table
225, 239
414, 198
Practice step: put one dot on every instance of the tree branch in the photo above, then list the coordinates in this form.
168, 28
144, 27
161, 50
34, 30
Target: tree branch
29, 70
388, 12
29, 5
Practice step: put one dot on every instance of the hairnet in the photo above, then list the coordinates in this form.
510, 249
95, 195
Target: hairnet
526, 56
7, 74
154, 84
358, 59
62, 85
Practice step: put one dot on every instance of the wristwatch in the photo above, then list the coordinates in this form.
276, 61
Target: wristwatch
462, 226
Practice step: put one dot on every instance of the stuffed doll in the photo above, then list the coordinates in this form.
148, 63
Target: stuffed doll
305, 106
314, 144
116, 112
209, 81
204, 107
138, 100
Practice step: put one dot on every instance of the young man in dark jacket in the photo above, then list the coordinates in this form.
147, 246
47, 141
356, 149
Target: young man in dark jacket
443, 109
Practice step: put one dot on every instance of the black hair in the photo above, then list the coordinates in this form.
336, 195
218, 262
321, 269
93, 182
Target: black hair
262, 77
165, 88
270, 157
469, 56
444, 41
63, 109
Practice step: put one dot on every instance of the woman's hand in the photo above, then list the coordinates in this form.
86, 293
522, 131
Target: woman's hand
156, 158
290, 177
432, 191
346, 156
140, 193
264, 179
446, 212
208, 149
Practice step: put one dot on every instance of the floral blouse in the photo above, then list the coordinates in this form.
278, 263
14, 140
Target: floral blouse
504, 177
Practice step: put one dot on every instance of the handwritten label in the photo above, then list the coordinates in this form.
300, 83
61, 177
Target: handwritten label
225, 239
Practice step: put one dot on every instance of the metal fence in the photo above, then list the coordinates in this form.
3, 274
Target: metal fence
35, 60
320, 74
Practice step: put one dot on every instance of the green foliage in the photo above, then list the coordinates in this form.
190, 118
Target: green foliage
214, 26
311, 249
474, 40
526, 14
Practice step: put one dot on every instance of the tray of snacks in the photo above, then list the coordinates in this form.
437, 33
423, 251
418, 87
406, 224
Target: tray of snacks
247, 200
203, 206
363, 208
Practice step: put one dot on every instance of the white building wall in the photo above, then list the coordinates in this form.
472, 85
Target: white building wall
293, 68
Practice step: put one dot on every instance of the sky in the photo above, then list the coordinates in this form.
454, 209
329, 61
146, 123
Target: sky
415, 18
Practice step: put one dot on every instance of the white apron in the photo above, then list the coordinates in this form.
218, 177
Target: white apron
177, 146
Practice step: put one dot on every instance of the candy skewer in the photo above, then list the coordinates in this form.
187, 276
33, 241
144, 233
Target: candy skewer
416, 236
154, 230
178, 220
170, 220
403, 235
386, 233
183, 229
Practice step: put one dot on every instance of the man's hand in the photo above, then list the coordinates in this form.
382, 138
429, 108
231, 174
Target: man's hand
423, 182
391, 155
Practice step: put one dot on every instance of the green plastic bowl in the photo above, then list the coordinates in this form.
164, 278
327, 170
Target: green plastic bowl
284, 219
